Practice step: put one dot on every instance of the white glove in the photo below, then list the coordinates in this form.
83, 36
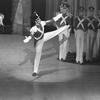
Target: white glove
27, 39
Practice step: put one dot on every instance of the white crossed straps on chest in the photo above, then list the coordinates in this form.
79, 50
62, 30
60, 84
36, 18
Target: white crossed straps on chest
91, 23
63, 20
41, 31
80, 23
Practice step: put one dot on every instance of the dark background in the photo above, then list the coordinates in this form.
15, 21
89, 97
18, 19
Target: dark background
6, 9
39, 6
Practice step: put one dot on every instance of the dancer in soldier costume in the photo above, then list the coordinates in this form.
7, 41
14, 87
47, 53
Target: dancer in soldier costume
63, 18
37, 32
91, 34
80, 25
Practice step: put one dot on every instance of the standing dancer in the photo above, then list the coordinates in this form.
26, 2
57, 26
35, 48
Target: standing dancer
91, 34
37, 32
64, 19
80, 25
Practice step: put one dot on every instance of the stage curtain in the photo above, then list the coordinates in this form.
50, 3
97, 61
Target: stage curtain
53, 5
18, 19
21, 17
26, 17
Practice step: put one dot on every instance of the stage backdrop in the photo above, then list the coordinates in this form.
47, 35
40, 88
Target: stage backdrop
53, 5
46, 8
21, 13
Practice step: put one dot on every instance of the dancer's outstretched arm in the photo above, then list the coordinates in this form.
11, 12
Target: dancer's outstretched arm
54, 19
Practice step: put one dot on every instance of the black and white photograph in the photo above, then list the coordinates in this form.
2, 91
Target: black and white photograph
49, 49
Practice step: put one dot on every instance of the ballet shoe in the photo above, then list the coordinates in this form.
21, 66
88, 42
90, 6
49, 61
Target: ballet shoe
34, 74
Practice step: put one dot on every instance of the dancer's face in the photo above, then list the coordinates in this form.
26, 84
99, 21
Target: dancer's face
38, 20
63, 10
81, 13
91, 13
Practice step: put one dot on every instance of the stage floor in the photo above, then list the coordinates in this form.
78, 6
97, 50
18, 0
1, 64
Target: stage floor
56, 80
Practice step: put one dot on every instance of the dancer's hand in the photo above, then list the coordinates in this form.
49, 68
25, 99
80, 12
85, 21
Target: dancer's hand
27, 39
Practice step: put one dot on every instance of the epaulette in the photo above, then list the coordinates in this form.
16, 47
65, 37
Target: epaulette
84, 17
69, 14
87, 18
96, 18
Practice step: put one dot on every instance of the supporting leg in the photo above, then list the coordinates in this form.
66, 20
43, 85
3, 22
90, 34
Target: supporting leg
39, 47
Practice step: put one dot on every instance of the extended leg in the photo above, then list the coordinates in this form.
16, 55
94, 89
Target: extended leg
50, 35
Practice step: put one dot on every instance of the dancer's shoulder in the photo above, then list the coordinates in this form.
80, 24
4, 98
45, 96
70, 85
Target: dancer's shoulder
33, 29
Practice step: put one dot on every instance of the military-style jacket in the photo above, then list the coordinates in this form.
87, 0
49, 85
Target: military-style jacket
92, 23
37, 31
61, 20
80, 22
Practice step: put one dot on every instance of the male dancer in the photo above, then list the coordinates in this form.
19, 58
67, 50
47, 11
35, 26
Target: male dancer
65, 19
37, 32
91, 34
80, 25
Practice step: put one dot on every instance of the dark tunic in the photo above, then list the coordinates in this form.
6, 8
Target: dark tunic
38, 31
81, 23
94, 23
